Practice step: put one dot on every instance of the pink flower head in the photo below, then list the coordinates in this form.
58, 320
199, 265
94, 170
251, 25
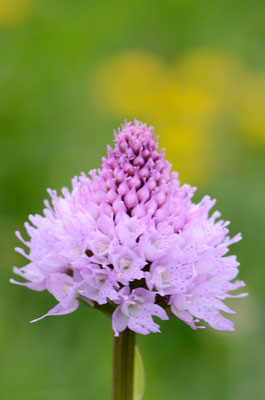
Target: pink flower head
130, 235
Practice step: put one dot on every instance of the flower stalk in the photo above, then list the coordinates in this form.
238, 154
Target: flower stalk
123, 365
129, 241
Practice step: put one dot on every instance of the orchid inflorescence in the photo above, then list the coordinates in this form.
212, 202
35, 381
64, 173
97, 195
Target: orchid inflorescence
131, 237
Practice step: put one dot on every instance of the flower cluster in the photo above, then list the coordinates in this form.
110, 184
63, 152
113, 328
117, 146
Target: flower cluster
130, 236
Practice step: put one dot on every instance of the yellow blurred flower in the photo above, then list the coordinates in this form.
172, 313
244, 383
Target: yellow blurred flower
214, 73
130, 83
141, 83
13, 12
184, 101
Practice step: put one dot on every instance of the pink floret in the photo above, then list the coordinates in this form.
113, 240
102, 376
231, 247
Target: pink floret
136, 310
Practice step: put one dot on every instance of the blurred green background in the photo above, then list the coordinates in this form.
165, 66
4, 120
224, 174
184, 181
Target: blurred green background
71, 72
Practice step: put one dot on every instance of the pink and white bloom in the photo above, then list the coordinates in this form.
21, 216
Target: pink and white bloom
130, 235
127, 264
61, 286
99, 284
135, 311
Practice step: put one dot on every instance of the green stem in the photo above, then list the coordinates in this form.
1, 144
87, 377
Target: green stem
123, 365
